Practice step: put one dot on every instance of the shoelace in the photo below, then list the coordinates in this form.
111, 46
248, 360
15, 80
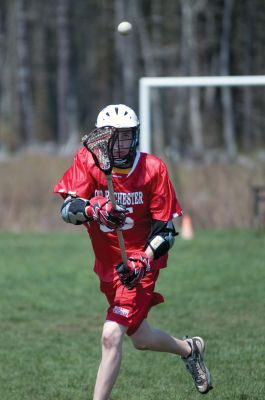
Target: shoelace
195, 367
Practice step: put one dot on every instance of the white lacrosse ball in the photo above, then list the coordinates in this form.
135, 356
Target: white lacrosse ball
124, 27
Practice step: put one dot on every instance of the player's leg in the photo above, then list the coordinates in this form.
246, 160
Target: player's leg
112, 339
148, 338
190, 350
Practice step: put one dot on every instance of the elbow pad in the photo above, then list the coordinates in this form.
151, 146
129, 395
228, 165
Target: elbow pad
161, 238
73, 210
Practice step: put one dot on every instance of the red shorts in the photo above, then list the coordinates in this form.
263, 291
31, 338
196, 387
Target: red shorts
130, 307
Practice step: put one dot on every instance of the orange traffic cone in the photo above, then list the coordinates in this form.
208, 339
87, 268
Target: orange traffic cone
186, 228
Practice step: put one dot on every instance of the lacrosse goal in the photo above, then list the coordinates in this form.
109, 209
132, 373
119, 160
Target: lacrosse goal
147, 83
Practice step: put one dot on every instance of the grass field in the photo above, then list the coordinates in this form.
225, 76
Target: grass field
52, 313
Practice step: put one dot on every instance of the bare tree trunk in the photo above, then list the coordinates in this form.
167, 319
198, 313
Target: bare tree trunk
63, 70
24, 78
1, 44
125, 49
157, 35
248, 130
104, 56
2, 57
212, 68
182, 95
150, 70
194, 101
189, 52
90, 65
9, 127
43, 127
227, 104
247, 116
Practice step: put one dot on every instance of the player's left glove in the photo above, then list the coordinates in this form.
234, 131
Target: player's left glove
132, 273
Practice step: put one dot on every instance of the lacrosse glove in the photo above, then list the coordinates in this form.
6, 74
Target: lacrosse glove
132, 273
101, 210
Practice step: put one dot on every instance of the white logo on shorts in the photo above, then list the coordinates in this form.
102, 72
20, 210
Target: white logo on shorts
121, 311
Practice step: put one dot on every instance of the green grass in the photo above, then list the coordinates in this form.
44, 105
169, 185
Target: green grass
52, 312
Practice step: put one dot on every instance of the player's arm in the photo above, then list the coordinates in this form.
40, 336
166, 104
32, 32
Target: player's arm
73, 210
77, 211
160, 239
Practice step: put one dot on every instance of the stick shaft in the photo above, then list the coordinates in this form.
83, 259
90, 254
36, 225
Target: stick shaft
119, 233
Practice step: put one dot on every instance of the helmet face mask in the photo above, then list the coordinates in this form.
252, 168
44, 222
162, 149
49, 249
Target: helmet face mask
126, 139
123, 149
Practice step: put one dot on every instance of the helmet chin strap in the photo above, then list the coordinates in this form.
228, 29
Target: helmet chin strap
124, 162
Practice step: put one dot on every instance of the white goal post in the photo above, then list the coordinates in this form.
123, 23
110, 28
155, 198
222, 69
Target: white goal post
146, 84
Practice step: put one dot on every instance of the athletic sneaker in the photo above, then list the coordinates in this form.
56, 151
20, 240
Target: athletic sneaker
195, 365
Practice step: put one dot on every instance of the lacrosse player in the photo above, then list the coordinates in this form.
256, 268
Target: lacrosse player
145, 208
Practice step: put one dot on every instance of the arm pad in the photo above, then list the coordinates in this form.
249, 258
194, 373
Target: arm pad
161, 237
73, 210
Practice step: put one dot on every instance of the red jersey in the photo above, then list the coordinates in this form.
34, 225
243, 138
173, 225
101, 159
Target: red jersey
147, 193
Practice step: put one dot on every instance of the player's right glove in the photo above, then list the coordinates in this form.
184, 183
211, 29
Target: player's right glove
132, 273
101, 210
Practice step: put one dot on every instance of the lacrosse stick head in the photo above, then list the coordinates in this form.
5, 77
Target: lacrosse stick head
100, 143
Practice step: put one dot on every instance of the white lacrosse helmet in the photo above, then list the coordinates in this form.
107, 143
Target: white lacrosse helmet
123, 118
117, 115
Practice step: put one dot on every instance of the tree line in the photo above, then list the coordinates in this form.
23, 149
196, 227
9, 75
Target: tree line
62, 61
